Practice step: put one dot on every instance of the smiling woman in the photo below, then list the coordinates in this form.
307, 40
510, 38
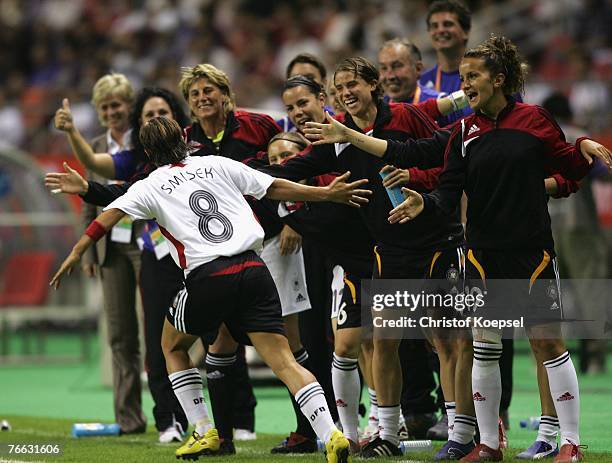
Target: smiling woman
304, 101
208, 93
358, 89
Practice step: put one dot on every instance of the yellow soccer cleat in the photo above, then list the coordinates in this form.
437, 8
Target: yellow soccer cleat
337, 448
197, 445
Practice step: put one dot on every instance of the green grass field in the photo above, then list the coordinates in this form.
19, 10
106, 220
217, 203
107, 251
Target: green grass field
43, 401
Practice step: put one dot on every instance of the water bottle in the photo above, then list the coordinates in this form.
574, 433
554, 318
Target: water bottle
95, 429
320, 445
408, 446
395, 194
533, 422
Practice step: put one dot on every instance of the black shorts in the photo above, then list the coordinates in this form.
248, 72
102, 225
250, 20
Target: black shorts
516, 283
395, 264
349, 314
436, 277
238, 291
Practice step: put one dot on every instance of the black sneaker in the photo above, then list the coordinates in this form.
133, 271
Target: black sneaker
419, 423
380, 448
226, 447
296, 443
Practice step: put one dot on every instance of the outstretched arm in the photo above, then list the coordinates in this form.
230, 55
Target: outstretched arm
96, 230
71, 182
336, 132
338, 191
424, 153
100, 163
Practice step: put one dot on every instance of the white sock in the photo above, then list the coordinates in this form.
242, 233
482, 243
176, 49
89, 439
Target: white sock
463, 431
450, 414
311, 400
566, 396
388, 423
373, 403
187, 386
548, 429
486, 388
345, 380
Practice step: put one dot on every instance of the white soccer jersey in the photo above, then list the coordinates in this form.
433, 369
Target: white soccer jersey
200, 207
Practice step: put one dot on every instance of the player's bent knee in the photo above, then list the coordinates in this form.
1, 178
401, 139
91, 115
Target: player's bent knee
173, 340
347, 344
547, 349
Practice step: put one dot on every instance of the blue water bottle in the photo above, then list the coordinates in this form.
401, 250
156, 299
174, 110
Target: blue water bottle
533, 422
95, 429
395, 194
407, 446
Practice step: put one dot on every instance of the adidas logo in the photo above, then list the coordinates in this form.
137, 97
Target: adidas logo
300, 298
565, 397
478, 397
340, 403
554, 306
473, 129
215, 375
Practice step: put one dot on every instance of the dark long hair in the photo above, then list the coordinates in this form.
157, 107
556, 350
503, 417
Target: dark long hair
162, 138
135, 115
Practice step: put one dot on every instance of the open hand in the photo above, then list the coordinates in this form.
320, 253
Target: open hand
70, 182
332, 132
591, 149
66, 267
63, 117
348, 193
411, 207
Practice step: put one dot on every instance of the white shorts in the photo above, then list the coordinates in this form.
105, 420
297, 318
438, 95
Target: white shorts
289, 276
337, 288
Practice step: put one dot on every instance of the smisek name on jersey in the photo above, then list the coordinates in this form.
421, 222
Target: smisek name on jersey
184, 176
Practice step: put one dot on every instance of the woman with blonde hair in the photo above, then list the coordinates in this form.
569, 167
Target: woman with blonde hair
117, 256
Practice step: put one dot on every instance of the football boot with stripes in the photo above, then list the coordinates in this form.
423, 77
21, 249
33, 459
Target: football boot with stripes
380, 448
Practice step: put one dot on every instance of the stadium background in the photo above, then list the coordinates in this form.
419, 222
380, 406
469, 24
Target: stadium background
50, 353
